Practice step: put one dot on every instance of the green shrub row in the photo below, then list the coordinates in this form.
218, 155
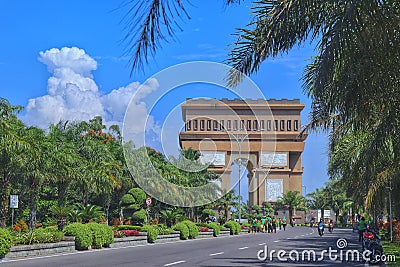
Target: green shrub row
5, 242
128, 227
91, 234
49, 234
234, 227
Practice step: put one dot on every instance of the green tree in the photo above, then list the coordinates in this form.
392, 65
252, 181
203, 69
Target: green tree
12, 145
291, 200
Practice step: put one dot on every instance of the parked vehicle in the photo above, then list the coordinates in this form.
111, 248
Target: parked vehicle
372, 243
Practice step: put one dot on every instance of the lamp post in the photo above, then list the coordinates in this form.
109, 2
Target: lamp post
239, 138
390, 210
305, 190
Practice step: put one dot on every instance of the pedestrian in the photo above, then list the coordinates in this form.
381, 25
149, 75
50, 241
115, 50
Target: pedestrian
254, 226
362, 225
264, 218
269, 224
284, 222
273, 222
280, 223
312, 222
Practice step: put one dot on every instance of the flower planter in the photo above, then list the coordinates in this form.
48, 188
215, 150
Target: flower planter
207, 234
175, 236
224, 233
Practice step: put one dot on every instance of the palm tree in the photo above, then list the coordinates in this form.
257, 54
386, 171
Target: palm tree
171, 215
291, 200
12, 144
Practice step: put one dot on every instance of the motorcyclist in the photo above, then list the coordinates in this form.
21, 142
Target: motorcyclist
321, 226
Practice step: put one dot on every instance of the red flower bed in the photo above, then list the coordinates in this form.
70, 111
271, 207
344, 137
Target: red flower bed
204, 229
126, 232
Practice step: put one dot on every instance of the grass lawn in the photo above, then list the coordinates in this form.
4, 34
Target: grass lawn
392, 249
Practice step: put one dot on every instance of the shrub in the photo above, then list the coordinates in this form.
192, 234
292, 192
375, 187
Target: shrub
41, 235
102, 235
152, 234
163, 229
82, 233
129, 227
183, 230
5, 242
234, 227
139, 216
193, 229
216, 228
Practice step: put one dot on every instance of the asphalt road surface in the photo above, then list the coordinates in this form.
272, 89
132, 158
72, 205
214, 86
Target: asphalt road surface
242, 250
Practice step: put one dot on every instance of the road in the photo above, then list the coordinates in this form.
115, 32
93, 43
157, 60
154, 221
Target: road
239, 250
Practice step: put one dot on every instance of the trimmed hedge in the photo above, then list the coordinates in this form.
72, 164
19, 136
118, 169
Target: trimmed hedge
193, 229
234, 227
129, 227
102, 235
183, 229
216, 228
41, 235
82, 233
152, 234
5, 242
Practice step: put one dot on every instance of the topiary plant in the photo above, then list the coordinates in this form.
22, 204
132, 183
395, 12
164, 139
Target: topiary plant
183, 230
193, 229
133, 203
82, 233
5, 242
234, 227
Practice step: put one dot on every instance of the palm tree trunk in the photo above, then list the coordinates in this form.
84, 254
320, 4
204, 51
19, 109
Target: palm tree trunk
4, 193
33, 206
61, 190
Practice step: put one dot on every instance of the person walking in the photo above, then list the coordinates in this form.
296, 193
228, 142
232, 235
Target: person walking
362, 225
280, 223
254, 226
264, 218
284, 223
274, 222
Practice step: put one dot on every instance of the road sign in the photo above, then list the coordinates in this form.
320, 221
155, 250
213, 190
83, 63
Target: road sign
13, 201
148, 201
283, 211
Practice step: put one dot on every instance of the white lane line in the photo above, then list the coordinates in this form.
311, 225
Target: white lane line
296, 237
173, 263
302, 235
243, 248
276, 241
262, 244
215, 254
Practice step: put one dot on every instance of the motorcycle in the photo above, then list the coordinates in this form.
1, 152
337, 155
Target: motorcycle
320, 229
372, 243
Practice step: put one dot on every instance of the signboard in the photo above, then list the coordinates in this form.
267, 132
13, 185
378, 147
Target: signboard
148, 201
274, 189
270, 159
213, 158
13, 201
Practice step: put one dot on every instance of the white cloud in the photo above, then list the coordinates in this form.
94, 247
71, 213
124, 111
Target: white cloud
72, 93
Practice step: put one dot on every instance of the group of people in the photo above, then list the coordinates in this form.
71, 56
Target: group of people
269, 224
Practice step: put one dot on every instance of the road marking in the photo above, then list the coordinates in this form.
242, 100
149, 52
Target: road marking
277, 241
243, 248
262, 244
215, 254
302, 235
173, 263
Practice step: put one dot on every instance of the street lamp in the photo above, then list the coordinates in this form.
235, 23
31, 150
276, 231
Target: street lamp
305, 190
390, 210
239, 138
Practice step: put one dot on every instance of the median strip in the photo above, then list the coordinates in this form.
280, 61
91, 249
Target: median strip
215, 254
173, 263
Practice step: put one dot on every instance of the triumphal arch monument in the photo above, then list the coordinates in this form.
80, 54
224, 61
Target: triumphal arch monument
263, 136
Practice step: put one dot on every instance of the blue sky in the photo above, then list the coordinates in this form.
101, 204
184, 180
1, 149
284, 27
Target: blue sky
30, 27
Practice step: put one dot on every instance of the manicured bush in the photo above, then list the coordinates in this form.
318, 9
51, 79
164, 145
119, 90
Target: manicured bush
139, 216
102, 235
234, 227
193, 229
183, 229
163, 229
40, 235
152, 234
5, 242
216, 228
82, 233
